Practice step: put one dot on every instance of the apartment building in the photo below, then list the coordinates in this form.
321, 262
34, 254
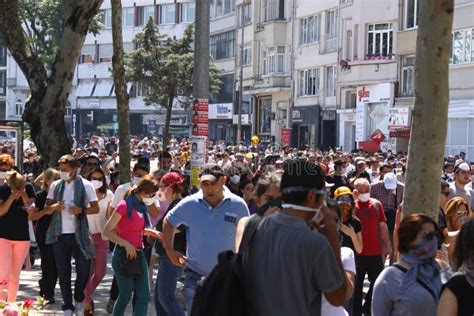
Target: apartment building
367, 72
3, 79
460, 136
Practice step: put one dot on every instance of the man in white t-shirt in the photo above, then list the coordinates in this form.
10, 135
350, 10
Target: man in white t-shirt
66, 229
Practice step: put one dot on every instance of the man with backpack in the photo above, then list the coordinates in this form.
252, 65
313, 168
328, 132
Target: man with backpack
211, 216
288, 265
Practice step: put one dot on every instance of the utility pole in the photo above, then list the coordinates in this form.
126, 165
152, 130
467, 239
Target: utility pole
199, 130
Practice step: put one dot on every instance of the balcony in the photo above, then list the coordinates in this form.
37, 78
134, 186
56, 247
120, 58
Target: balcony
327, 44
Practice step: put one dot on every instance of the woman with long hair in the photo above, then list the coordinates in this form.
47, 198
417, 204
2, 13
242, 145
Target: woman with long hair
171, 188
96, 225
457, 213
126, 228
458, 293
15, 198
42, 220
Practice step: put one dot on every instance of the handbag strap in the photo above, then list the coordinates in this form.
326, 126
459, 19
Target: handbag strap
418, 280
249, 231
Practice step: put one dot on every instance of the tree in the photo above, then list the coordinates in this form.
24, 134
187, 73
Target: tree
164, 68
49, 85
120, 84
430, 114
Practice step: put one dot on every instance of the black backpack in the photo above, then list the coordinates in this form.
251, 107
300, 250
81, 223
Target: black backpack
222, 293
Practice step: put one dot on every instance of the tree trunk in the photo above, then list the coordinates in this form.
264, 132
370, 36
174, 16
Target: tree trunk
121, 91
166, 131
430, 114
44, 112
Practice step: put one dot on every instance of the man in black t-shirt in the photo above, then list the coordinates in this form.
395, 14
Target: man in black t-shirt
338, 178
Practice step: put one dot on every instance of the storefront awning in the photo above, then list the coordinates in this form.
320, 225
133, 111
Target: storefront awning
85, 87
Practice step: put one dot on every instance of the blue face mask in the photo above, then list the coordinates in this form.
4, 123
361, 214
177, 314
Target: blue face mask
424, 250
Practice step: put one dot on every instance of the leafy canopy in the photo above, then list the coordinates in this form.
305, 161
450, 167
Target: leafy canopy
164, 66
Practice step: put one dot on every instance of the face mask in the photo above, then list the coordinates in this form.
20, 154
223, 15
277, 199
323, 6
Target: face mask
97, 184
425, 249
164, 205
364, 197
235, 179
135, 180
149, 201
64, 176
317, 216
3, 175
346, 210
462, 219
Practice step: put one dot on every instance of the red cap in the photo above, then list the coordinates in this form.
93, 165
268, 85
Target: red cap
171, 178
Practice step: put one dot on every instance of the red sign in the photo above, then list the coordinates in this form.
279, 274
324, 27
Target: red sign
285, 136
377, 136
363, 94
400, 134
200, 106
369, 146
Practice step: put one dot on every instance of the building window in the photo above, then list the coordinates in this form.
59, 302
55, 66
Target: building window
222, 45
107, 17
68, 109
188, 12
247, 54
145, 13
274, 60
330, 81
3, 109
380, 39
412, 13
309, 82
128, 16
168, 13
309, 30
88, 54
408, 77
3, 53
265, 116
19, 107
330, 44
273, 10
3, 83
246, 14
462, 49
222, 7
106, 51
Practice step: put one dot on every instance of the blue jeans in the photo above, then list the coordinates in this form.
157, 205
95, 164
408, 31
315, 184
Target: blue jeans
64, 249
190, 284
165, 289
127, 284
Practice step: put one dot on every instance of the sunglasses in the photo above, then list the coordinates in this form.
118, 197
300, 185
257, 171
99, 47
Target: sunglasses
429, 235
91, 164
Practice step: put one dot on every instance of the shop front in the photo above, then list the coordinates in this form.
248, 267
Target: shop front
305, 126
347, 129
220, 121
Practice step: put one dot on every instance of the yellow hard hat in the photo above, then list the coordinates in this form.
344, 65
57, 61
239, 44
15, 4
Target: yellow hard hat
255, 139
342, 191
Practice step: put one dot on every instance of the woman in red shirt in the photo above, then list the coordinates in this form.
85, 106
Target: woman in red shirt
131, 220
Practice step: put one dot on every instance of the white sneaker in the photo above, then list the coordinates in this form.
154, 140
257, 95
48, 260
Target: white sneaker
68, 312
79, 311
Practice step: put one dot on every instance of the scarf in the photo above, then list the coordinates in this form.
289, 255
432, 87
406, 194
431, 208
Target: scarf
421, 258
82, 233
140, 207
467, 269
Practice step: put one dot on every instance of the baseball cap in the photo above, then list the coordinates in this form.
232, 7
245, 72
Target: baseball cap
300, 175
171, 178
210, 172
359, 160
390, 181
462, 166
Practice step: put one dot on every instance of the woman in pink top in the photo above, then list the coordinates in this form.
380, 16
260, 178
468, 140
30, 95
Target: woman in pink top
132, 221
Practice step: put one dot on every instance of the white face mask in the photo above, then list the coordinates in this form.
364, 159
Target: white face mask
235, 179
64, 176
97, 184
149, 201
317, 211
364, 197
135, 180
3, 175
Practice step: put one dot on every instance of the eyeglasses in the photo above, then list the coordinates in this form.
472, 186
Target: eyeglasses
461, 213
446, 194
98, 179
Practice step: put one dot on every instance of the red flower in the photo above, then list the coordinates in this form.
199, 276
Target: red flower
28, 303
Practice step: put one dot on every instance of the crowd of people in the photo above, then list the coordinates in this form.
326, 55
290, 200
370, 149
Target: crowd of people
329, 219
